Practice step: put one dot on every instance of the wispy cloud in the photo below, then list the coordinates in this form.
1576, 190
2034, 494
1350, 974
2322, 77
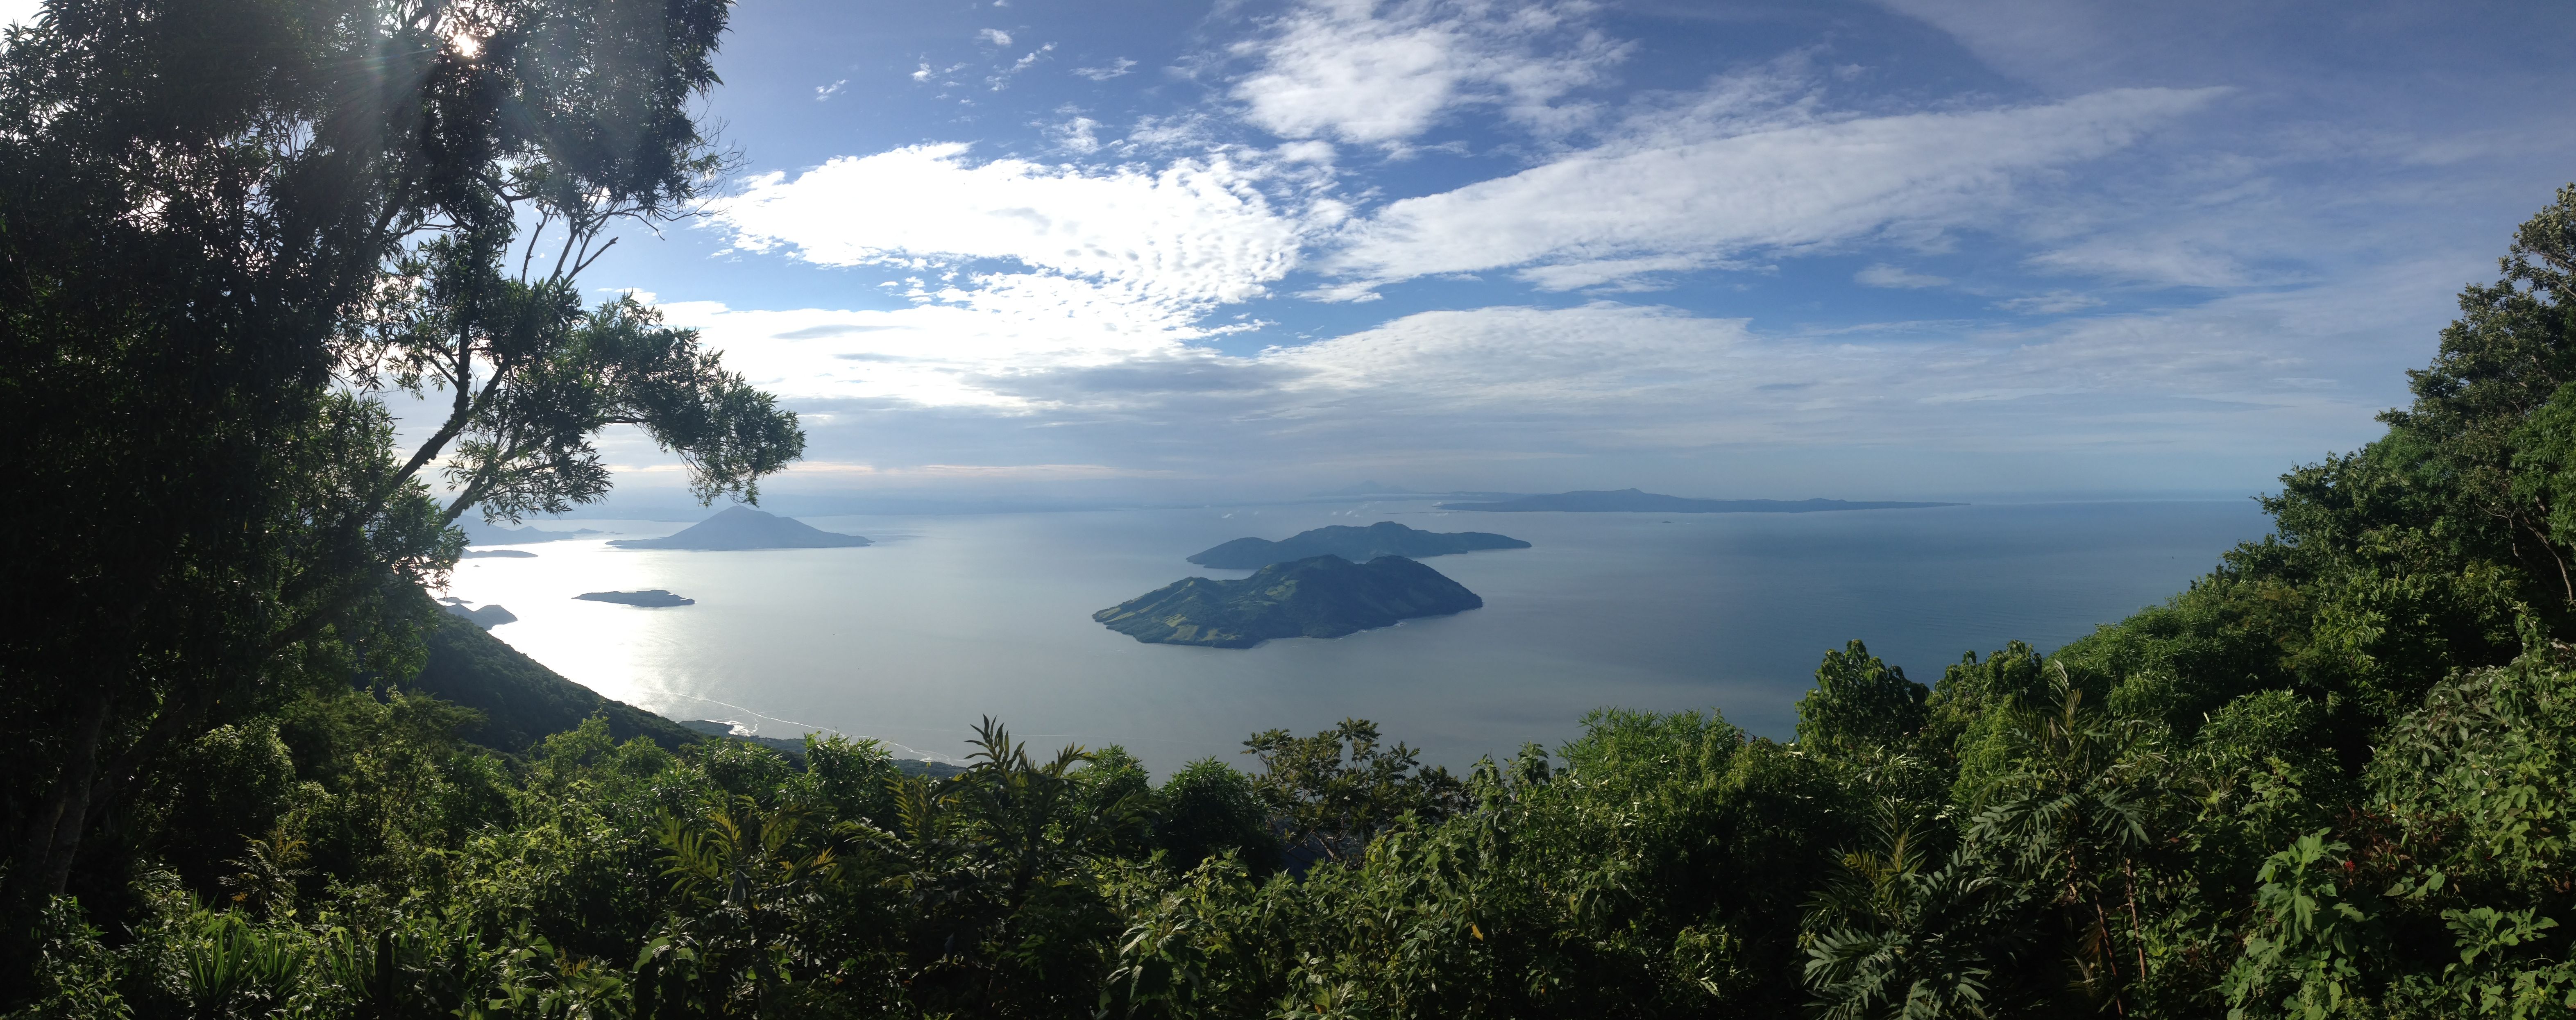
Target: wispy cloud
1381, 73
824, 92
1002, 79
2054, 302
1117, 68
1894, 277
1779, 188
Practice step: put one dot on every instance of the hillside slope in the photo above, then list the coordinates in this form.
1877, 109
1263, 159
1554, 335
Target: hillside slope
521, 700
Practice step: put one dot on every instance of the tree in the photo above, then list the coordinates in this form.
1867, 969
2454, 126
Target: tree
1208, 808
1859, 702
223, 225
1332, 805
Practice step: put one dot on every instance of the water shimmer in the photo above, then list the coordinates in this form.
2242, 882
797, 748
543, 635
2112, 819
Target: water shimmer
950, 618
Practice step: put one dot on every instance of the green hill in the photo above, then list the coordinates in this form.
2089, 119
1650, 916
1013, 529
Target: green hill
1358, 545
521, 700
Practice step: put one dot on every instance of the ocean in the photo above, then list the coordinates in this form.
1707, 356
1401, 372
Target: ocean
952, 618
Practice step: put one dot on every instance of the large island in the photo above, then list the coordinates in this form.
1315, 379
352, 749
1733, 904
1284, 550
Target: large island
742, 527
1358, 545
1321, 596
1633, 501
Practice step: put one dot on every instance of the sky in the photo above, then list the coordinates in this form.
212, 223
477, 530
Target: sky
1148, 251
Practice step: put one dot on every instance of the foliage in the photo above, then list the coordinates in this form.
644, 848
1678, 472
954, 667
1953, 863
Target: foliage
228, 230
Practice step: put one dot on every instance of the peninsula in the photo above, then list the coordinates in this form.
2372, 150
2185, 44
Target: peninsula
1631, 500
742, 527
1358, 545
656, 598
1320, 596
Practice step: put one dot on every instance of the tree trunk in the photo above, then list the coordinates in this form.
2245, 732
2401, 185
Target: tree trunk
53, 837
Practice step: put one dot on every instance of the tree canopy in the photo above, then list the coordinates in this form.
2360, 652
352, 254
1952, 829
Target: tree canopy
229, 229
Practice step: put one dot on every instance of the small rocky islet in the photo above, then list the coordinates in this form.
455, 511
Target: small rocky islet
1320, 596
655, 598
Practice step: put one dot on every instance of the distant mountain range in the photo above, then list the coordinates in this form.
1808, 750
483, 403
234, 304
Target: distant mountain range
1631, 500
742, 527
1356, 544
1321, 596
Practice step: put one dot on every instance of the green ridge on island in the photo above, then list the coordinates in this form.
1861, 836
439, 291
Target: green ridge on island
1320, 596
742, 527
1633, 501
1356, 544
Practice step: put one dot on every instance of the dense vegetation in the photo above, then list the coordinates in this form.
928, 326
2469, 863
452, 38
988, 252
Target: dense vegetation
2332, 778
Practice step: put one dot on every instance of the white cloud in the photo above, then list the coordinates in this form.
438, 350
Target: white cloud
2162, 260
1003, 78
1009, 265
824, 92
1076, 135
1635, 274
1116, 68
929, 354
994, 36
1779, 187
2052, 303
1197, 233
1608, 375
1376, 72
941, 383
1306, 152
1897, 277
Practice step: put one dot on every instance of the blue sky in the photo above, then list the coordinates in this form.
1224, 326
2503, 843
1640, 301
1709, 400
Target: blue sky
1187, 251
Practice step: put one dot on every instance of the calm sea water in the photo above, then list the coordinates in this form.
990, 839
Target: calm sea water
951, 618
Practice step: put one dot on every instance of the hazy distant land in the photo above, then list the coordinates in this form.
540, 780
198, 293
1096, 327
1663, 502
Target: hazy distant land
1631, 500
742, 527
498, 554
479, 533
1356, 544
1321, 596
